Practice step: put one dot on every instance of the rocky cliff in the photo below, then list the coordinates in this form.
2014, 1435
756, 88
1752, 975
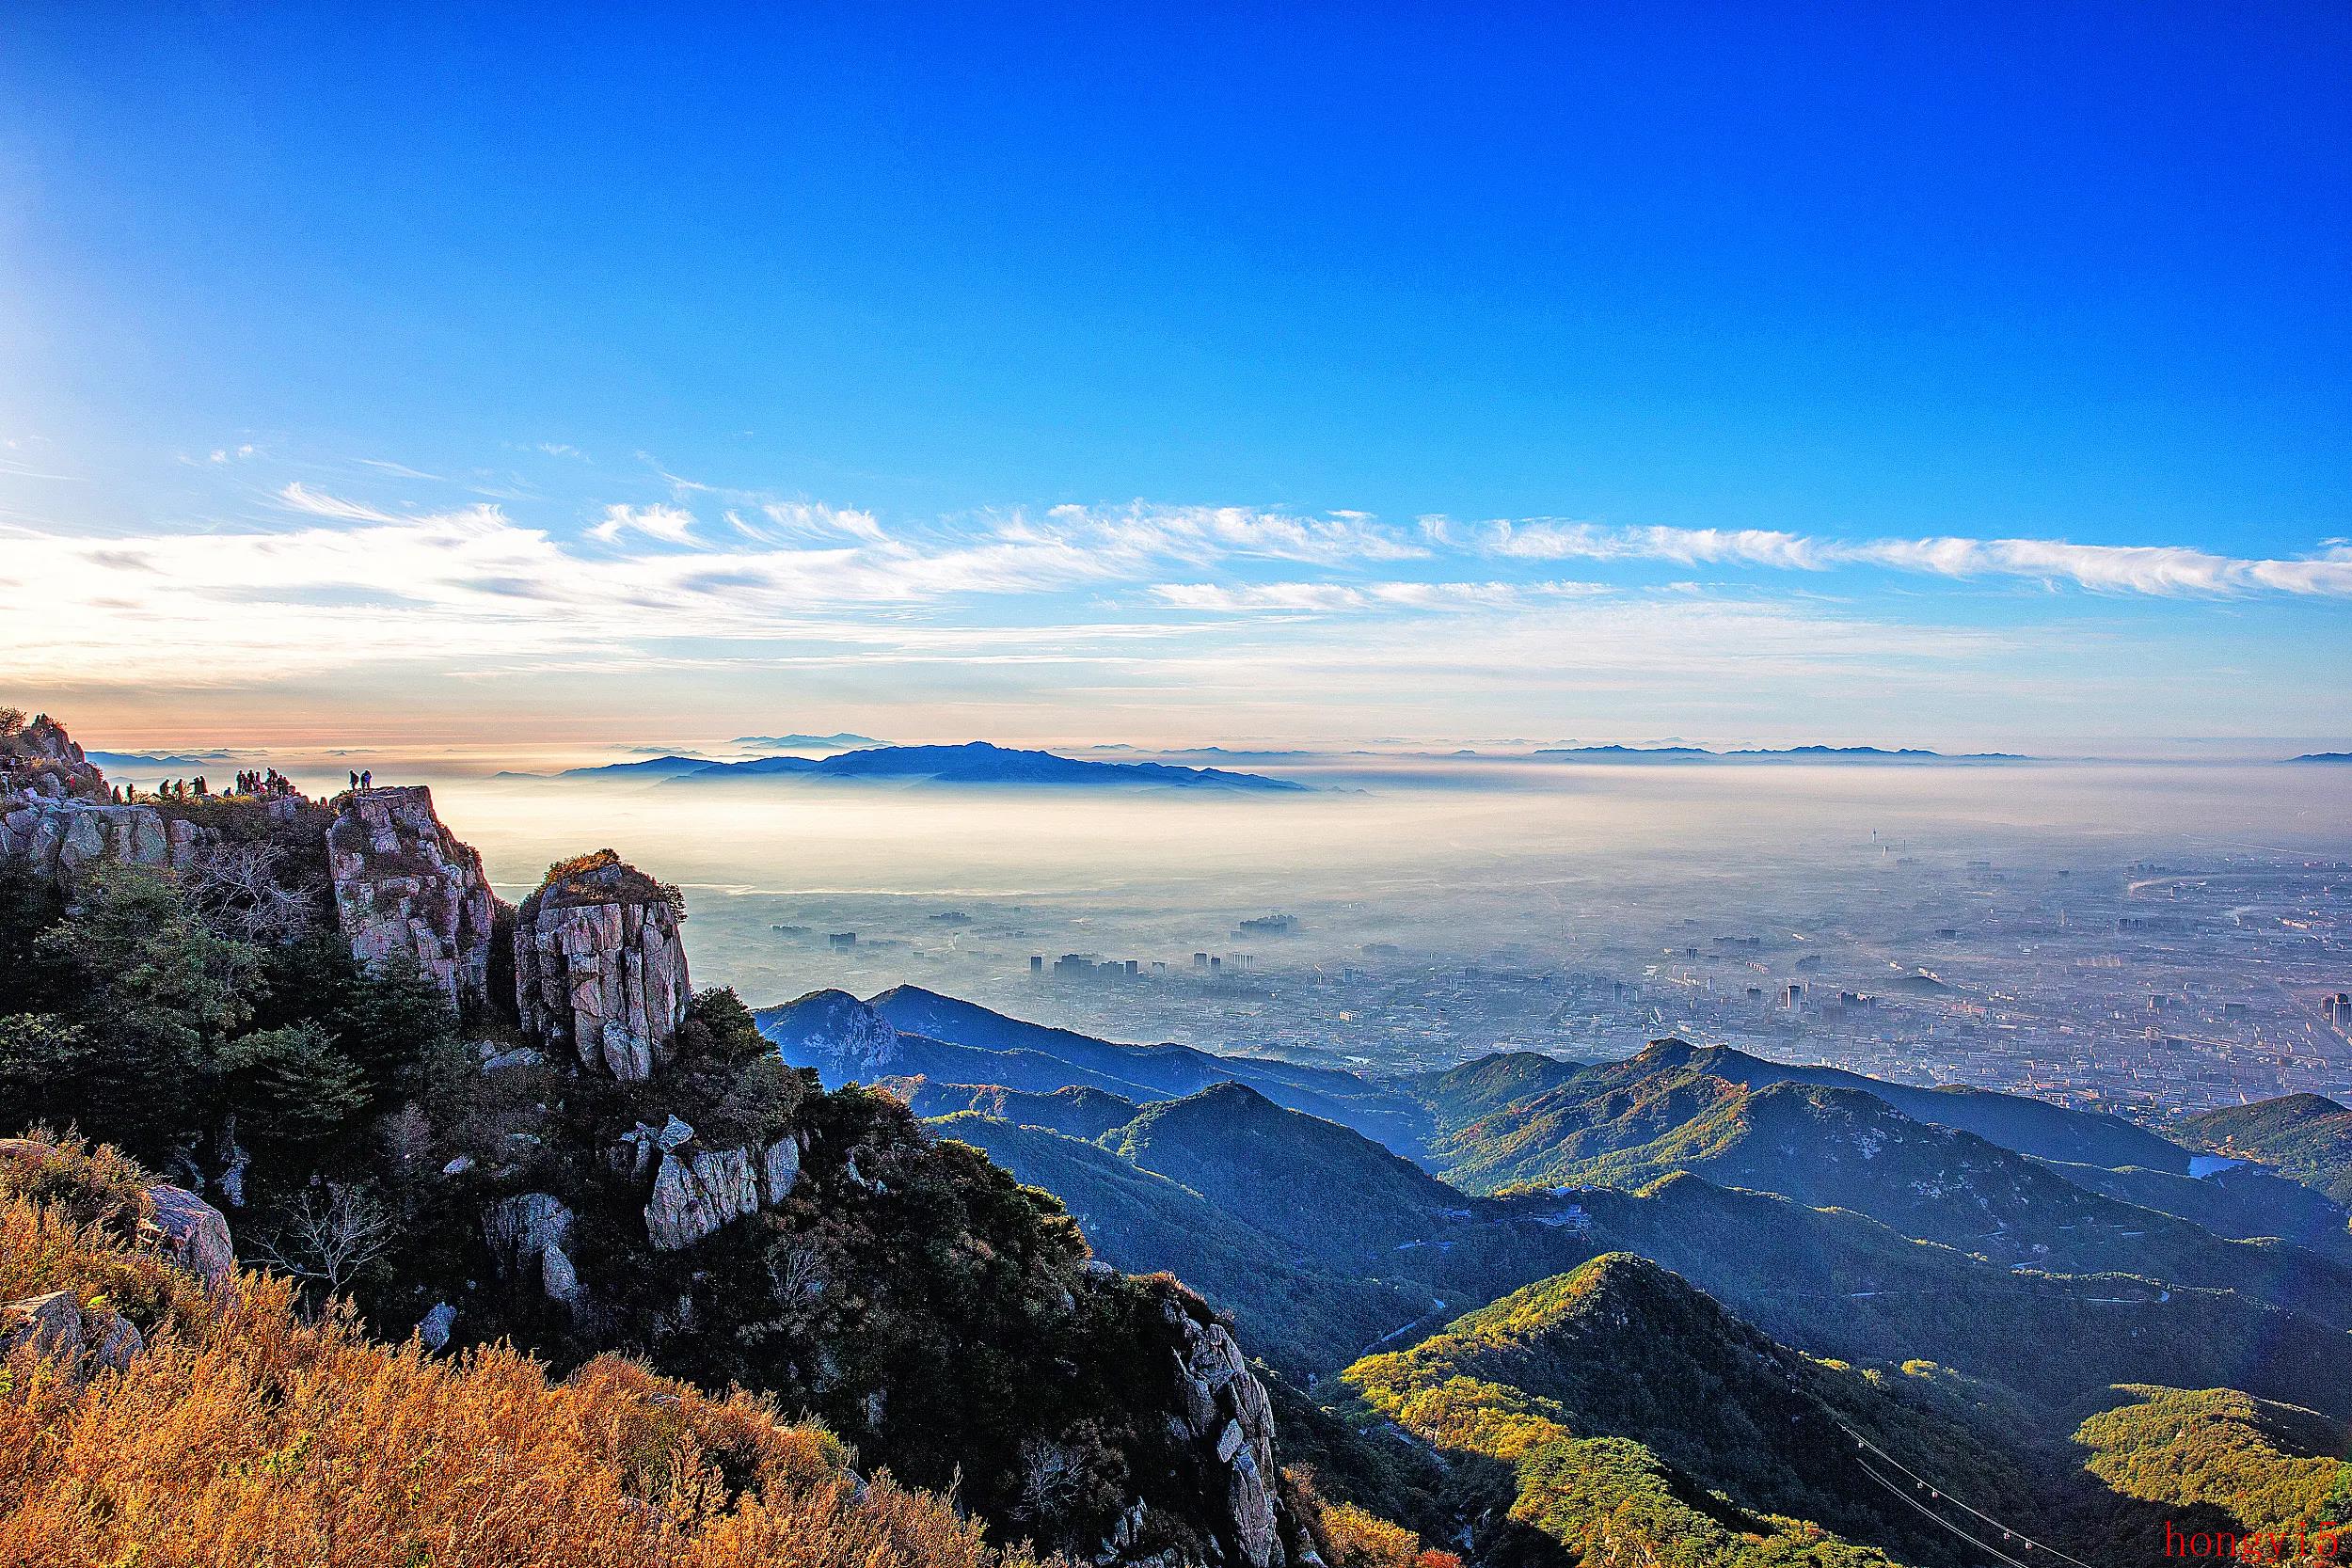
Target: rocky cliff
598, 967
57, 815
404, 884
39, 758
55, 837
697, 1191
636, 1167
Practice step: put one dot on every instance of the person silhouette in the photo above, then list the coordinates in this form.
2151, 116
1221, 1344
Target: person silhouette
355, 778
367, 779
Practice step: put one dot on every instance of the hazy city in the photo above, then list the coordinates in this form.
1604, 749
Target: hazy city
2143, 936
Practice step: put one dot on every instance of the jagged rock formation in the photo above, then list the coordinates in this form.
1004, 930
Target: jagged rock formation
598, 966
404, 884
57, 837
528, 1234
1225, 1410
56, 815
40, 759
697, 1191
87, 1340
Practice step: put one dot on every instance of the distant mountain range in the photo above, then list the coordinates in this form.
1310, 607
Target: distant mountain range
163, 759
841, 740
2058, 1229
978, 762
2323, 756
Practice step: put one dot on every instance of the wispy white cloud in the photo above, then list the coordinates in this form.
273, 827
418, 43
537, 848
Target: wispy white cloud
1141, 530
670, 525
814, 520
319, 504
2148, 569
1200, 602
1331, 598
401, 469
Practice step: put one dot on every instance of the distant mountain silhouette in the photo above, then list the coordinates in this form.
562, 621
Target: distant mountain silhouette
839, 741
978, 762
651, 768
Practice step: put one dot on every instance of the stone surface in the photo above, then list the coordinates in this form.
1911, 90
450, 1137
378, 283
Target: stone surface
50, 1326
529, 1235
115, 1344
527, 1055
57, 838
780, 1169
599, 969
521, 1229
1225, 1410
557, 1277
696, 1192
193, 1234
434, 1328
40, 759
55, 1328
405, 885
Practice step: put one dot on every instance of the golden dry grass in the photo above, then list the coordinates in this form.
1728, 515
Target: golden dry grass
246, 1436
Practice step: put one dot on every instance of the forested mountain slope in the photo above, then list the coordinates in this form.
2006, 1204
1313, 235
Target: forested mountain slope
1618, 1412
2307, 1136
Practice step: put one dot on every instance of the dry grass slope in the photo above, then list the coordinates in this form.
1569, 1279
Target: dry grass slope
246, 1434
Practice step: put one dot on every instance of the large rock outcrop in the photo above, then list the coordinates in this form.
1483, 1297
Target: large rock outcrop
39, 759
84, 1339
55, 837
192, 1233
697, 1191
528, 1234
1225, 1412
58, 816
404, 884
598, 966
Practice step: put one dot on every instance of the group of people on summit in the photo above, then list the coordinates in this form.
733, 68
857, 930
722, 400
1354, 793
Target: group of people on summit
266, 782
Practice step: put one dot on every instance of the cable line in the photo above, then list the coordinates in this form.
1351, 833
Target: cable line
2006, 1532
1939, 1520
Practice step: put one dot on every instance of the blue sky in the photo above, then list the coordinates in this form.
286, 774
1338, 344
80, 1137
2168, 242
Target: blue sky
1925, 374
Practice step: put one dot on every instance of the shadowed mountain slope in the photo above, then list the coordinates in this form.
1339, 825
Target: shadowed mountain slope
1845, 1149
1618, 1411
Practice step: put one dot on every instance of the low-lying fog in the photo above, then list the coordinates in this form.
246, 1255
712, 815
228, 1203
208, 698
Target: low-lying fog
1586, 866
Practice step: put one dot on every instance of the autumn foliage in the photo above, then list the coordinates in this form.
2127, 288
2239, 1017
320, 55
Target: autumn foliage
246, 1433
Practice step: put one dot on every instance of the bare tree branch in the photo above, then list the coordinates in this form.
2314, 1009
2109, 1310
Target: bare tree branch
329, 1235
238, 888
